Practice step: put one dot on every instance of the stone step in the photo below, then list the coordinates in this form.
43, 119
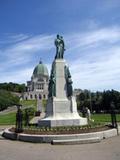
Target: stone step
37, 118
1, 138
76, 141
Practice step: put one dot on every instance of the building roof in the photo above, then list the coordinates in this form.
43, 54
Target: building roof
40, 69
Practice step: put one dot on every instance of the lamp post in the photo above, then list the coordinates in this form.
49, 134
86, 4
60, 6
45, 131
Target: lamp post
113, 115
19, 118
90, 101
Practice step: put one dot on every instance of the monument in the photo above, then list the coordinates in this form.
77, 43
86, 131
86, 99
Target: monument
61, 107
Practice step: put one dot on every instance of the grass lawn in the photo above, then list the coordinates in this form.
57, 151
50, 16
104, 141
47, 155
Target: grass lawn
29, 103
8, 119
104, 117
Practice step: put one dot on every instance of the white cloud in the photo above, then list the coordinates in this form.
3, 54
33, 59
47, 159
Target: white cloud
21, 53
102, 73
33, 44
93, 56
92, 39
20, 76
10, 38
108, 5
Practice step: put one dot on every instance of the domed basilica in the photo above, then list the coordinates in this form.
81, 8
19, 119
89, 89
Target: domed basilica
37, 87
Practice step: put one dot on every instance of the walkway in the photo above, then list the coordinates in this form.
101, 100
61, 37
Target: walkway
107, 149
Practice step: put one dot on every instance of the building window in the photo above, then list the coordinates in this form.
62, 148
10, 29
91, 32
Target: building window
40, 86
44, 96
40, 97
40, 80
35, 96
31, 96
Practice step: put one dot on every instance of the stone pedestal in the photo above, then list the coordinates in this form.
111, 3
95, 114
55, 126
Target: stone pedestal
61, 110
39, 105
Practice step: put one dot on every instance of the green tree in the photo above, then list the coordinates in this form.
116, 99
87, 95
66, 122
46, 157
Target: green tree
7, 99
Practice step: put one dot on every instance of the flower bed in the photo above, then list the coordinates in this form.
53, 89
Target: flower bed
63, 130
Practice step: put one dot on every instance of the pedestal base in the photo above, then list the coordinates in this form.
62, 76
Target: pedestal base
62, 113
62, 109
62, 122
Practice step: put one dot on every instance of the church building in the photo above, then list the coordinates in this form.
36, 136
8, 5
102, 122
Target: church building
37, 87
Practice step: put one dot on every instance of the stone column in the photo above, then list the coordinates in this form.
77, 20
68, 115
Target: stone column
60, 79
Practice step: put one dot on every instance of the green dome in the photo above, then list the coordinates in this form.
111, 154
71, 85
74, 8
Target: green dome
40, 69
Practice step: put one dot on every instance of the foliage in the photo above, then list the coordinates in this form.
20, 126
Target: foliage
7, 99
64, 129
28, 114
29, 103
98, 101
29, 110
13, 87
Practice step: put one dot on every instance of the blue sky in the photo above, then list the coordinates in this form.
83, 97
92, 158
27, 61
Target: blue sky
91, 31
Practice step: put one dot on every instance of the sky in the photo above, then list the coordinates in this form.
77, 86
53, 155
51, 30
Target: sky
91, 32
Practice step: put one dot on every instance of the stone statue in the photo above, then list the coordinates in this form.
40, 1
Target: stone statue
52, 83
88, 114
68, 82
60, 47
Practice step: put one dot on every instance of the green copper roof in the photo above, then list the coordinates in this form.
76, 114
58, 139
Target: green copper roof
40, 69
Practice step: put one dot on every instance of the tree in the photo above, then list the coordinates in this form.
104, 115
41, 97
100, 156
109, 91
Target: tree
98, 101
14, 87
7, 99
